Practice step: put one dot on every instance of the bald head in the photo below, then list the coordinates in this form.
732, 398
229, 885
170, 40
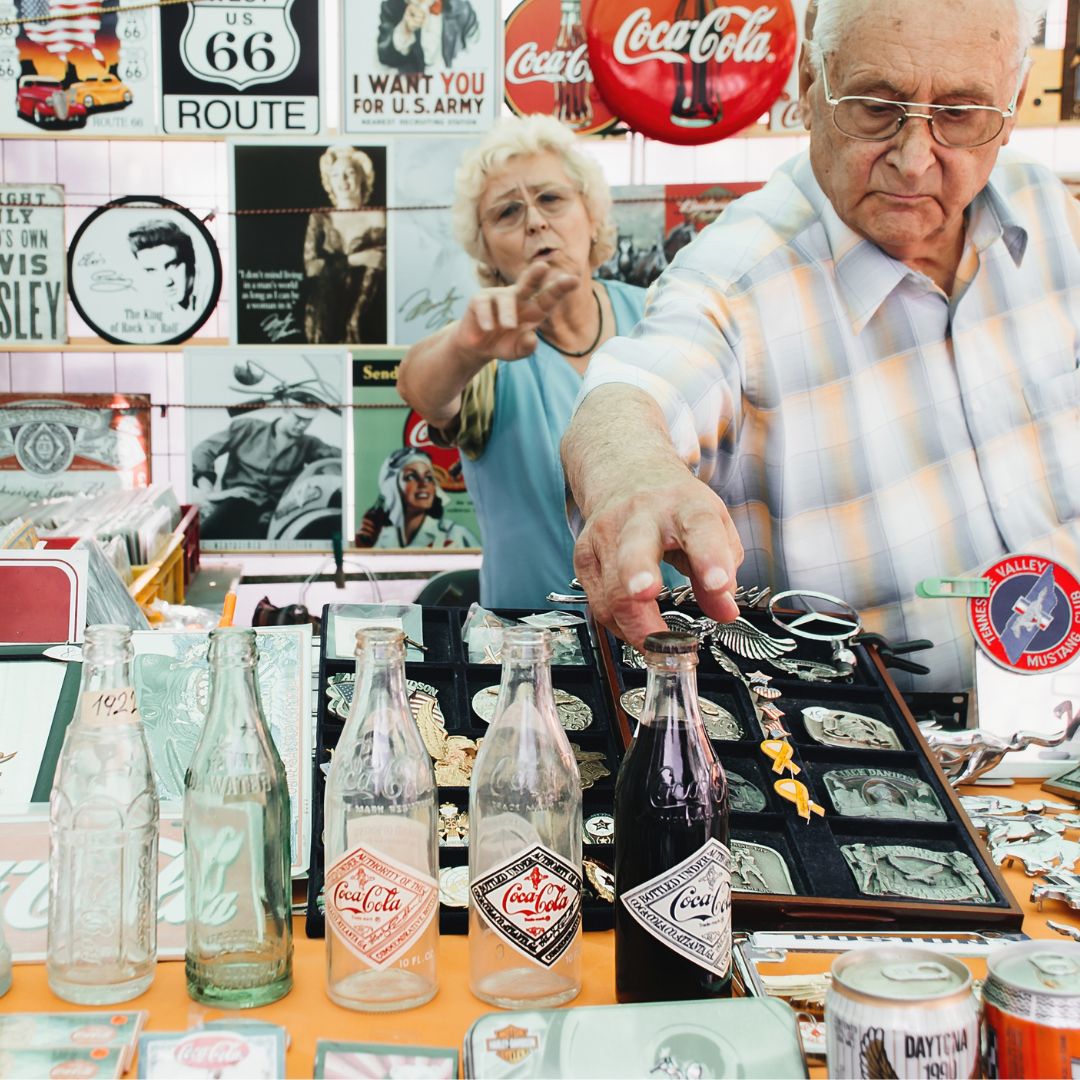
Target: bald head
1015, 22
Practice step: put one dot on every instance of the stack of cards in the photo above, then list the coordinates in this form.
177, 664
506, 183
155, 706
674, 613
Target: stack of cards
68, 1044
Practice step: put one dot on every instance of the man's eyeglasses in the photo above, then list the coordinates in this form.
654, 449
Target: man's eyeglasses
961, 127
508, 214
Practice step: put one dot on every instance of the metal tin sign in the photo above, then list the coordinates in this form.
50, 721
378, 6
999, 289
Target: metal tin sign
690, 71
93, 72
231, 66
547, 66
144, 271
1030, 622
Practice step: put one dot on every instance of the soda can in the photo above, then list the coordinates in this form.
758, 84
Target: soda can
898, 1010
1031, 1009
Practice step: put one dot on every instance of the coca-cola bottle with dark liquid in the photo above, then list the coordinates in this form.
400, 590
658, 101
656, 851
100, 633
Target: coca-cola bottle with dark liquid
697, 101
572, 104
672, 857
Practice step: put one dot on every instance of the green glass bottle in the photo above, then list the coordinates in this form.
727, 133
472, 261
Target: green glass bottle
236, 842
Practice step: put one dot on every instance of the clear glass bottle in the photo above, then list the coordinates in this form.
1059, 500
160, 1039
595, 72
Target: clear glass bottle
103, 837
672, 857
237, 856
525, 840
381, 843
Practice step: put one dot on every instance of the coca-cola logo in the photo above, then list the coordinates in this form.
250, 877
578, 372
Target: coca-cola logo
696, 41
538, 897
528, 64
690, 71
376, 899
211, 1052
445, 459
547, 66
694, 903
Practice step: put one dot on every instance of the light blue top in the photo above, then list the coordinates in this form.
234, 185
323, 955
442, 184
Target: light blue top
517, 483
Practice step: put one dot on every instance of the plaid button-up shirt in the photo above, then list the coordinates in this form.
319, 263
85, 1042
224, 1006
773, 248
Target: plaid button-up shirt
864, 429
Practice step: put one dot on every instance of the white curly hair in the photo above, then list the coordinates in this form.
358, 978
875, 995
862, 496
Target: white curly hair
834, 16
521, 137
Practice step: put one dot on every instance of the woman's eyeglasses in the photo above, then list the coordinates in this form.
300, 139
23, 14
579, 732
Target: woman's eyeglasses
960, 127
509, 214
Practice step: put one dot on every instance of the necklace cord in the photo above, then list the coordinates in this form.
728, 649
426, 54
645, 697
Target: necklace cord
595, 341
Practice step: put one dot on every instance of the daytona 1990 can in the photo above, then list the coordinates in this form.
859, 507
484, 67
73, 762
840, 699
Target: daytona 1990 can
898, 1010
1031, 1009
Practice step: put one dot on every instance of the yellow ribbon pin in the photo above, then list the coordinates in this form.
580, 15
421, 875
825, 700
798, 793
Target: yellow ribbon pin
780, 751
795, 791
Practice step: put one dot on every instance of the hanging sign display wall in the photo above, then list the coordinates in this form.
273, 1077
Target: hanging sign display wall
33, 293
144, 271
234, 67
420, 65
93, 72
690, 71
547, 66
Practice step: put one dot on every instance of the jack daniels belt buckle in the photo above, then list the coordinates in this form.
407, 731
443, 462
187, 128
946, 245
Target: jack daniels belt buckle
881, 793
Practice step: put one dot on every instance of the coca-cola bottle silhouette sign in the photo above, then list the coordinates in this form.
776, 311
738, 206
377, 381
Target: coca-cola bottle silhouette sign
690, 71
547, 65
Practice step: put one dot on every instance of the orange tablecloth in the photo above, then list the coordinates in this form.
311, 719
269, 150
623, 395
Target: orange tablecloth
309, 1015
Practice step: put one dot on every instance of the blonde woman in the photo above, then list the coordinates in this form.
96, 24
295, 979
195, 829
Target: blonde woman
535, 214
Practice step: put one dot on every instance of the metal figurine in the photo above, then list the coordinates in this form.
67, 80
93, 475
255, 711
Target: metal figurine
1061, 885
574, 714
1069, 931
591, 765
837, 727
1044, 853
981, 806
919, 873
743, 796
453, 826
966, 755
813, 670
719, 723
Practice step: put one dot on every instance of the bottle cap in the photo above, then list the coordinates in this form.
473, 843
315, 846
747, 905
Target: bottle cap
672, 643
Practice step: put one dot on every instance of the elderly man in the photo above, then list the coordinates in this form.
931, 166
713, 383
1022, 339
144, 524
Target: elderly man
872, 361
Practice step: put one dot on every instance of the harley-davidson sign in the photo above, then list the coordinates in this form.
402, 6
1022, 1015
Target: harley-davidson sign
690, 71
547, 66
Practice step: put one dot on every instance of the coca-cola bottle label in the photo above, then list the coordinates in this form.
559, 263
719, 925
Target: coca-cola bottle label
533, 901
378, 906
688, 907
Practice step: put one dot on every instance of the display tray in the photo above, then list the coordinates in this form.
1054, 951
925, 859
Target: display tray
829, 886
446, 669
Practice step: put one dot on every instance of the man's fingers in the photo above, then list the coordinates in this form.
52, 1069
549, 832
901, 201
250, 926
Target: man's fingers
712, 553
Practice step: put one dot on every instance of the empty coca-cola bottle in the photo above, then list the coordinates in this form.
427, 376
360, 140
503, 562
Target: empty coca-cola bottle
572, 104
697, 101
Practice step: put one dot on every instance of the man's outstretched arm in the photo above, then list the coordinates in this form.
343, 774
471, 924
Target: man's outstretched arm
641, 504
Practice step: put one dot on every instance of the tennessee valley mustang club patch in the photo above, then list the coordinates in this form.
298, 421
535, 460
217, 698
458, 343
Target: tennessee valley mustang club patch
1030, 622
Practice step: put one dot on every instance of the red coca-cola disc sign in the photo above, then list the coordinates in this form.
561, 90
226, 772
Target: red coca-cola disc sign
547, 66
690, 71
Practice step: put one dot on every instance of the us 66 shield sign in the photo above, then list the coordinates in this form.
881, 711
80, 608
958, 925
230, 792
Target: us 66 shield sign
232, 66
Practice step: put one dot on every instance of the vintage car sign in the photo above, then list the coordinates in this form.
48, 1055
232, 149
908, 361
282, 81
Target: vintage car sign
1030, 622
547, 66
690, 71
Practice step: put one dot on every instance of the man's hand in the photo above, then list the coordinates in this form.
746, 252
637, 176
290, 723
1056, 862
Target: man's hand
502, 322
617, 557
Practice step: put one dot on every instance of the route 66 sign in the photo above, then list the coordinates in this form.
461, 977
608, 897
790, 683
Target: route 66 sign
231, 66
241, 48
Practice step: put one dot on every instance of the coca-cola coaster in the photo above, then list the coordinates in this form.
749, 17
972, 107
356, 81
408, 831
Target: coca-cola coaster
759, 869
454, 886
879, 793
719, 723
574, 714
